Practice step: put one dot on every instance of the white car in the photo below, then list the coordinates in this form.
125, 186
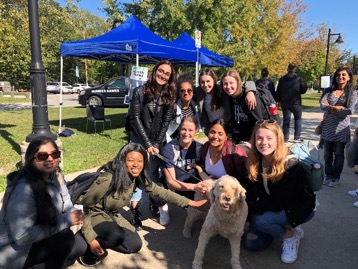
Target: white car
79, 87
54, 87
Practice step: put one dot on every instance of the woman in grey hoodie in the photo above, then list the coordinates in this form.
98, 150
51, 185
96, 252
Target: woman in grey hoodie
37, 212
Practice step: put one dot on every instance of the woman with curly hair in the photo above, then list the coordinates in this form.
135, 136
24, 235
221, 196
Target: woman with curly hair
37, 213
104, 227
279, 198
150, 112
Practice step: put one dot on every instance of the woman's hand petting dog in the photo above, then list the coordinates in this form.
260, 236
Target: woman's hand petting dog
201, 205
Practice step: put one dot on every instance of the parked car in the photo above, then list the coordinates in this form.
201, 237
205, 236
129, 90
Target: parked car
110, 94
78, 87
54, 87
5, 86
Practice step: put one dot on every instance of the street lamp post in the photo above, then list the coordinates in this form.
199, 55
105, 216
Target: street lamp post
338, 41
40, 125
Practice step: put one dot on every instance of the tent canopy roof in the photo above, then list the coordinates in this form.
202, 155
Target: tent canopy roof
206, 57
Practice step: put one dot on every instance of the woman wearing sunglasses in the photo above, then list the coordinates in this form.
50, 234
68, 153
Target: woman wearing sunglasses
104, 227
150, 112
185, 105
37, 212
280, 199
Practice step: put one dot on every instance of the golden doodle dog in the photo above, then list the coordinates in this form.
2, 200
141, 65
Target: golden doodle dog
226, 217
194, 214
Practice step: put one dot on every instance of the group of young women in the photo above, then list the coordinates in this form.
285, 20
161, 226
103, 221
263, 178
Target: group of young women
37, 212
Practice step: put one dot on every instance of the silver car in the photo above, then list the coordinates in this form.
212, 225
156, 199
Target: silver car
54, 87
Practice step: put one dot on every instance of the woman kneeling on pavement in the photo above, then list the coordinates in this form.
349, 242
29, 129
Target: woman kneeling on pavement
280, 199
104, 228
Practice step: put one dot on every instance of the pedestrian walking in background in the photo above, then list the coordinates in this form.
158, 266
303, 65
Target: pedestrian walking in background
338, 104
265, 83
289, 90
150, 112
37, 213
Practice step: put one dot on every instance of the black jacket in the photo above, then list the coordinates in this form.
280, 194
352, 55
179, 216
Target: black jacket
149, 119
290, 194
289, 89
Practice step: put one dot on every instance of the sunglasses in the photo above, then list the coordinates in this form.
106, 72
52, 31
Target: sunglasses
189, 91
161, 72
270, 121
43, 156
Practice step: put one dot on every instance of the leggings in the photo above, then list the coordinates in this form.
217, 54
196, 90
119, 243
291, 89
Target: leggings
57, 251
112, 236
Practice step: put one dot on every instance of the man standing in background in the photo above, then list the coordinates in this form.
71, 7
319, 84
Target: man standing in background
289, 90
265, 83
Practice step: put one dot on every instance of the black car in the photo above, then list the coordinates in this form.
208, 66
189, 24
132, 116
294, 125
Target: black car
110, 94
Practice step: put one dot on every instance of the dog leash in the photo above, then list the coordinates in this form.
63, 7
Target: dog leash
176, 166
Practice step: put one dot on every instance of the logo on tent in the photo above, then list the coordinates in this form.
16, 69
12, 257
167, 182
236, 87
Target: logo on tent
128, 47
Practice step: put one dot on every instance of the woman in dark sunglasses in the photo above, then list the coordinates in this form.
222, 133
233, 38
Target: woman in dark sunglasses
280, 199
185, 105
37, 213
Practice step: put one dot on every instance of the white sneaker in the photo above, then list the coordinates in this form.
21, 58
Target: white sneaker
333, 184
353, 193
164, 218
299, 232
290, 249
355, 204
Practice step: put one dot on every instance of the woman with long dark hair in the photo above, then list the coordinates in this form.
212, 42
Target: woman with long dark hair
37, 212
151, 110
338, 104
104, 227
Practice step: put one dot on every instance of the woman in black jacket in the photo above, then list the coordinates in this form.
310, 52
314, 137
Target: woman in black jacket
279, 199
151, 110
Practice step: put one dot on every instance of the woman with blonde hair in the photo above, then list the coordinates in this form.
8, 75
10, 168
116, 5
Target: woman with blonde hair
280, 199
244, 115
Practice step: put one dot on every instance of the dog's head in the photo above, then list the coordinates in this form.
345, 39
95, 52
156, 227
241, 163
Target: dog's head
228, 193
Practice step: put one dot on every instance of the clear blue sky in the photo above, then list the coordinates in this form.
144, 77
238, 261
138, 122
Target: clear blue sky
336, 14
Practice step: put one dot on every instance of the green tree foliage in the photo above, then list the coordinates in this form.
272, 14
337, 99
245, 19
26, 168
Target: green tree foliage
57, 24
256, 33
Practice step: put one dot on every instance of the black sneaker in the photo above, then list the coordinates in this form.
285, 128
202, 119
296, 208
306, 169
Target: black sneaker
91, 260
155, 211
135, 219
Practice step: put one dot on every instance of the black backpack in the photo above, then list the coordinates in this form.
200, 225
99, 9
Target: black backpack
80, 184
266, 100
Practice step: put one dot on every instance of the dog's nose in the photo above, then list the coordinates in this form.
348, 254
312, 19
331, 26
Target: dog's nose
227, 199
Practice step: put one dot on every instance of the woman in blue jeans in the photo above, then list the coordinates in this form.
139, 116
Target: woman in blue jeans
338, 104
279, 198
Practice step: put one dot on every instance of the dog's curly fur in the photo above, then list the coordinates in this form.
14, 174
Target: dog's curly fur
226, 217
194, 214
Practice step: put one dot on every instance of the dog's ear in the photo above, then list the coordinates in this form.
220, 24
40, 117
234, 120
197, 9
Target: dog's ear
213, 191
241, 193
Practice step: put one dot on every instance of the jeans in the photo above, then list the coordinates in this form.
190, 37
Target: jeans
265, 227
297, 116
333, 159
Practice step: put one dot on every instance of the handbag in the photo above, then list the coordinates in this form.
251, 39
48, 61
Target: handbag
318, 130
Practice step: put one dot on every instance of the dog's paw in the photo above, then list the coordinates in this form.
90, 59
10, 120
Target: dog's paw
186, 234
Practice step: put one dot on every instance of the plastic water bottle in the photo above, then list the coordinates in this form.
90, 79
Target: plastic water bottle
273, 109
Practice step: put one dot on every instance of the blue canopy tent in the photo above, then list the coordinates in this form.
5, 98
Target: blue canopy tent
130, 42
203, 55
206, 57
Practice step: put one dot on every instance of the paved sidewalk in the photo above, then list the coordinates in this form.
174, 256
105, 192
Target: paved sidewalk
330, 241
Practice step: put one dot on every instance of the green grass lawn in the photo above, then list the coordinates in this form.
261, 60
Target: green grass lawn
81, 151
